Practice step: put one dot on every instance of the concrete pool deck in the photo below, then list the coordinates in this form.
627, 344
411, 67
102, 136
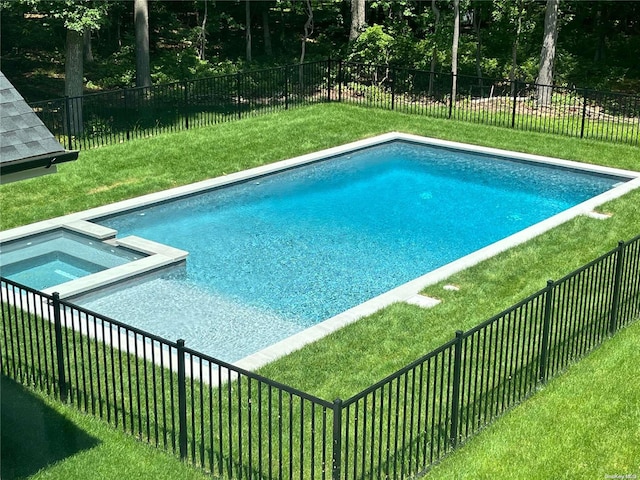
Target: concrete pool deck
82, 220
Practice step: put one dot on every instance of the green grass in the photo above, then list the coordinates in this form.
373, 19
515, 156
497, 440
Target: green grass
362, 353
66, 444
584, 424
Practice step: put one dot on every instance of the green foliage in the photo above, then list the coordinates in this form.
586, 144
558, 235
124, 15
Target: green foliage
526, 70
117, 72
597, 44
373, 45
77, 15
174, 66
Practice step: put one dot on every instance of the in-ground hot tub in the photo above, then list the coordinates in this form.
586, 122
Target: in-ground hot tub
80, 257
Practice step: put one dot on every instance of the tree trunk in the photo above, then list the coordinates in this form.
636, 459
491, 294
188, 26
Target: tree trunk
434, 49
141, 20
476, 28
119, 32
357, 19
203, 34
266, 31
308, 30
87, 50
601, 25
73, 80
454, 50
514, 63
514, 49
247, 22
548, 53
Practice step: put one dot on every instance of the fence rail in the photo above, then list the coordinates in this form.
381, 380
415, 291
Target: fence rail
237, 424
98, 119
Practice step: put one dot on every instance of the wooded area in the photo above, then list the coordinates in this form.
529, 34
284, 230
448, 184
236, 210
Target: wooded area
52, 48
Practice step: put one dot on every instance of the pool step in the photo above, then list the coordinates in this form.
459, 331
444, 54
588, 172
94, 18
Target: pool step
150, 247
91, 229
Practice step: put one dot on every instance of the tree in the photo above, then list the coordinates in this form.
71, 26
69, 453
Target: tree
515, 20
73, 65
77, 18
454, 49
202, 43
266, 30
247, 18
141, 21
308, 30
434, 48
548, 53
357, 19
87, 48
477, 22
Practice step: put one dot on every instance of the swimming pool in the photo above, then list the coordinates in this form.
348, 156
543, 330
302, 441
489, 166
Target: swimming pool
276, 254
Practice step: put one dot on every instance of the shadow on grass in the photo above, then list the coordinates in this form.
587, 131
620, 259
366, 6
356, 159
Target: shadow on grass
33, 435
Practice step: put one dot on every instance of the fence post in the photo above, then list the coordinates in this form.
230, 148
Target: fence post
454, 79
67, 111
126, 107
340, 81
544, 353
515, 97
238, 100
329, 79
185, 85
57, 322
617, 285
584, 114
182, 401
393, 88
336, 462
286, 87
455, 398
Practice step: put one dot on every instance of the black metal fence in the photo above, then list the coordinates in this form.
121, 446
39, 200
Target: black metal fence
112, 117
574, 112
116, 116
406, 422
237, 424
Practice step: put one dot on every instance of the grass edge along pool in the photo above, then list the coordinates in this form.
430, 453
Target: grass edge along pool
630, 180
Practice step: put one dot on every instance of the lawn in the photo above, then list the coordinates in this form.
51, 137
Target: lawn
583, 424
362, 353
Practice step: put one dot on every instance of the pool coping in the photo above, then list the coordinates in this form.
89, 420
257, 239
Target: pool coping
157, 256
82, 220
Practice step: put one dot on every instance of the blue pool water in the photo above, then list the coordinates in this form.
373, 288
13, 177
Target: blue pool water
57, 257
49, 270
274, 255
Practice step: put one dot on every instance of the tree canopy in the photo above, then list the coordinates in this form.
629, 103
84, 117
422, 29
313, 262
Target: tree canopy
598, 42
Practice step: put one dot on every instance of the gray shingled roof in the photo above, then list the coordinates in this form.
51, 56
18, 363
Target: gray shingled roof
24, 139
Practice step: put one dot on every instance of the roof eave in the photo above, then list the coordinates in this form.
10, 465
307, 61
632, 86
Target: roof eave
45, 161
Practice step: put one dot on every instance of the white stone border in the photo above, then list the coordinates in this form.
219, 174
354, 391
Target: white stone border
403, 292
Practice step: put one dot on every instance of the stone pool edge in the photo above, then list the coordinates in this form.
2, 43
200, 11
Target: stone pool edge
401, 293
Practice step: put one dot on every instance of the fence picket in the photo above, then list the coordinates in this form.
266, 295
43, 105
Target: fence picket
615, 307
